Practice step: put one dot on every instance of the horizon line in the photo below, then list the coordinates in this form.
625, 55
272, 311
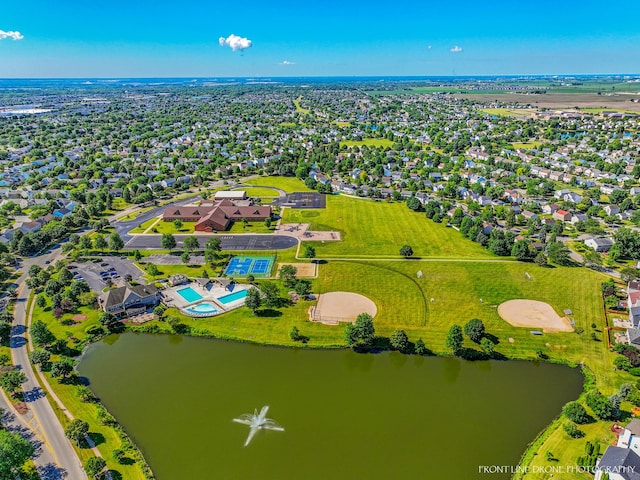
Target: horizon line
232, 77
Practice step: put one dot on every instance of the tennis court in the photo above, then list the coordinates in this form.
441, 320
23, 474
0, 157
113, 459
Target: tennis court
256, 266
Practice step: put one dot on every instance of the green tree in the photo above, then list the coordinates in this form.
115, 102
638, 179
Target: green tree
62, 368
137, 256
99, 242
41, 335
94, 466
40, 357
406, 251
153, 270
41, 302
523, 251
191, 244
185, 257
559, 253
110, 322
270, 293
629, 273
177, 223
309, 252
12, 380
168, 241
541, 259
65, 277
267, 222
454, 339
421, 348
413, 204
487, 346
115, 242
253, 299
77, 430
212, 249
399, 340
85, 242
288, 275
474, 329
294, 333
14, 452
303, 287
575, 412
362, 332
573, 431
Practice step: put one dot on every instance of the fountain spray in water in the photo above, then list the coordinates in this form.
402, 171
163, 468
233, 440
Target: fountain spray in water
257, 421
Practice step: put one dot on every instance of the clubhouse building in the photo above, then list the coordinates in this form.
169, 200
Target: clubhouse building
217, 215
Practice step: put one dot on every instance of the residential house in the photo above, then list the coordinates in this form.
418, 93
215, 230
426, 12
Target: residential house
562, 215
599, 244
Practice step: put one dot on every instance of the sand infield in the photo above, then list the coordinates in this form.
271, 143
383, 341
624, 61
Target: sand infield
334, 307
532, 313
303, 269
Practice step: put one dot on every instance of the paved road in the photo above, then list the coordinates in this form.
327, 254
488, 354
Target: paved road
229, 242
123, 227
44, 422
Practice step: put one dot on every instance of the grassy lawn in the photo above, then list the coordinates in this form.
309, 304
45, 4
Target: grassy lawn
527, 145
136, 214
288, 184
251, 227
369, 142
119, 204
299, 108
260, 192
158, 226
383, 227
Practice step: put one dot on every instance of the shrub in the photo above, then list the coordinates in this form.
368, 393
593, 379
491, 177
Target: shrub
572, 430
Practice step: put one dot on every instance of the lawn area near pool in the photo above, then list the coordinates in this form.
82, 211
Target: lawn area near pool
383, 227
288, 184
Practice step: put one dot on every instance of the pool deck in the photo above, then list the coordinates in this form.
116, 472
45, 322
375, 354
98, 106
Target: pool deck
171, 297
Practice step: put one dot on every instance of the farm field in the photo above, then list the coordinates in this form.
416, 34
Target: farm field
509, 112
383, 227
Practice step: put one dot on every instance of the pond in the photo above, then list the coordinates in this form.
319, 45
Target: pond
345, 415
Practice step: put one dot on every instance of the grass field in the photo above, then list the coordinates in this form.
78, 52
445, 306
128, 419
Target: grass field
259, 192
160, 226
383, 227
369, 142
299, 108
288, 184
251, 227
509, 112
527, 145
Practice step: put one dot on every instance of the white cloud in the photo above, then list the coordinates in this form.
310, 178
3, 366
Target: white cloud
428, 47
456, 49
235, 42
287, 62
14, 35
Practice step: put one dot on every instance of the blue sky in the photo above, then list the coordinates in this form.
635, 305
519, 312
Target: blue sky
70, 38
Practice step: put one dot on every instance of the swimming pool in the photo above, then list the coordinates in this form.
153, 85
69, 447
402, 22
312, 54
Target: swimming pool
189, 294
201, 308
232, 297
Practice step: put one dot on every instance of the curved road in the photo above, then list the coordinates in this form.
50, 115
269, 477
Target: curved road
44, 421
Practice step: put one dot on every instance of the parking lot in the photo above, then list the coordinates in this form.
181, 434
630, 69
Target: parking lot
96, 272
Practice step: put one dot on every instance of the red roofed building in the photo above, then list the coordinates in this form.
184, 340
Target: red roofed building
217, 216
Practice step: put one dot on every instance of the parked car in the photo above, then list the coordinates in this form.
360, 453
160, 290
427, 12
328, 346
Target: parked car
104, 264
